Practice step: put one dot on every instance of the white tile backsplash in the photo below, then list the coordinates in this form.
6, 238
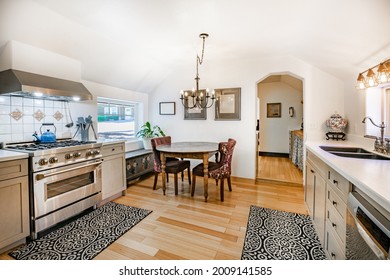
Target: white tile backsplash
28, 102
5, 110
5, 100
5, 119
12, 130
17, 101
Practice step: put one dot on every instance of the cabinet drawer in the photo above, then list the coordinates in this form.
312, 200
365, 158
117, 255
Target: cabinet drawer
13, 169
341, 185
317, 163
109, 150
333, 248
336, 202
336, 223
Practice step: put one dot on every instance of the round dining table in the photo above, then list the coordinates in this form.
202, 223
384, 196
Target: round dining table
191, 150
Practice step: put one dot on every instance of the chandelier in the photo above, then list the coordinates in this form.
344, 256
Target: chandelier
197, 98
379, 74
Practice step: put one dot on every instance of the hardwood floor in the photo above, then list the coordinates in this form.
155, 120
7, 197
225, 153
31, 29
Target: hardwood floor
278, 169
185, 227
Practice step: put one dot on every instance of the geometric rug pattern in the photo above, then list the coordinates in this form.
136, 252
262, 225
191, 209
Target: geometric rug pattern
85, 237
278, 235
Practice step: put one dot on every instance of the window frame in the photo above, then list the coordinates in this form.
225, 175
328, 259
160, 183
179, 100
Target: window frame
120, 102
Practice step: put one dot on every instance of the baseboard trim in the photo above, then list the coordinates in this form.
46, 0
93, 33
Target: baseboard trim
271, 154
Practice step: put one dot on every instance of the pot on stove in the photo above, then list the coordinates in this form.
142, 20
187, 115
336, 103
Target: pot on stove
47, 136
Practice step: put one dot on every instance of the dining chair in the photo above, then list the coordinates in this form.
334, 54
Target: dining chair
172, 165
220, 169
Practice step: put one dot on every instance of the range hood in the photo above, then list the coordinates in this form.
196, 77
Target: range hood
20, 83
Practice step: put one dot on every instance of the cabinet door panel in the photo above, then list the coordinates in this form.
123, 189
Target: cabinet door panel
14, 212
320, 206
309, 188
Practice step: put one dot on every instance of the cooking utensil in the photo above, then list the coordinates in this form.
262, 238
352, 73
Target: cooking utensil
70, 116
47, 136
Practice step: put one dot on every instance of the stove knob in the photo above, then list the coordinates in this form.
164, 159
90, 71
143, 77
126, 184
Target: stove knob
77, 154
42, 161
68, 156
97, 152
53, 160
90, 153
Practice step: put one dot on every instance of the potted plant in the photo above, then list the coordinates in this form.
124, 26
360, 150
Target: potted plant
148, 132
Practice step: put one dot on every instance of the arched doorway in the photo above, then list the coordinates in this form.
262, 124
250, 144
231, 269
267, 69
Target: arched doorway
280, 121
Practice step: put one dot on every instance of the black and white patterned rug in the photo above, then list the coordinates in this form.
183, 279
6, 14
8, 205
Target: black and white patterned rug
278, 235
85, 237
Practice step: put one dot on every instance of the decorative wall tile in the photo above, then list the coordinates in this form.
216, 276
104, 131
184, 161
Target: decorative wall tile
39, 115
16, 114
58, 116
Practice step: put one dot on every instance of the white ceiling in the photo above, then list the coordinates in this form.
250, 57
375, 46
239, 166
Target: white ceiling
133, 44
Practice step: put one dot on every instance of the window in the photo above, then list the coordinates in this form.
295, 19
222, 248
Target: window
116, 119
378, 109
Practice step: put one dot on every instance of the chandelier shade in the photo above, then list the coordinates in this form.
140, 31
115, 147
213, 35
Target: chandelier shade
198, 98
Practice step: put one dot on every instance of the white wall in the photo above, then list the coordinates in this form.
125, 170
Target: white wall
323, 94
274, 132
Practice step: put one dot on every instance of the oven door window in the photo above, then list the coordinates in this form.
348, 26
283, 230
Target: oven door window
63, 186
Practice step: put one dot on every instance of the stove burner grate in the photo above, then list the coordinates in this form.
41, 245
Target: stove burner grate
46, 146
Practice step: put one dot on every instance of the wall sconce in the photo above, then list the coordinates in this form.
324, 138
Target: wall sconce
379, 74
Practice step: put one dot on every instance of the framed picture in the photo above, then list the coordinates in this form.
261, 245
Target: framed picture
274, 110
228, 104
167, 108
194, 113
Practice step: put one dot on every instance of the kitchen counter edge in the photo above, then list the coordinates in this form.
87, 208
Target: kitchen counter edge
6, 155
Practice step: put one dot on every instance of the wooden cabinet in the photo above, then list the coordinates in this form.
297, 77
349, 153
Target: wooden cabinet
336, 209
138, 163
113, 170
315, 194
326, 193
296, 148
14, 203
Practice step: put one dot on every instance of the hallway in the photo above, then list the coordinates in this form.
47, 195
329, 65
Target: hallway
279, 169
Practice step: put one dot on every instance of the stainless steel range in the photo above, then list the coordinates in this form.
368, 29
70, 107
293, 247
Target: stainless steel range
65, 179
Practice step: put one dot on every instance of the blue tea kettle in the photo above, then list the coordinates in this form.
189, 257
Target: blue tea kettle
47, 136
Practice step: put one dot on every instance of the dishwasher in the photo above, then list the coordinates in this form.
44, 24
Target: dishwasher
367, 232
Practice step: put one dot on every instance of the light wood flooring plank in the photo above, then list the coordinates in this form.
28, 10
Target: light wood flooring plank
185, 227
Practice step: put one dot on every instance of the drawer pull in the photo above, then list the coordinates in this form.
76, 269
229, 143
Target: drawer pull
312, 171
333, 255
335, 182
333, 225
334, 202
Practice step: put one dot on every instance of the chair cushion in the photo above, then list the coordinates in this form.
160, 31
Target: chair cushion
177, 166
198, 170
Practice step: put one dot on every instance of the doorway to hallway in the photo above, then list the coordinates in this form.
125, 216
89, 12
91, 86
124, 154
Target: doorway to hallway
280, 111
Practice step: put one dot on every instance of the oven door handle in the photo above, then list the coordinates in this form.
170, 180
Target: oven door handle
363, 233
43, 176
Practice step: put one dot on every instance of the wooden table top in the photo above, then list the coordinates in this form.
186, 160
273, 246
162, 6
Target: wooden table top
188, 147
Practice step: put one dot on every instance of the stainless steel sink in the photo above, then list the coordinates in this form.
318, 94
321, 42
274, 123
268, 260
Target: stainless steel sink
353, 152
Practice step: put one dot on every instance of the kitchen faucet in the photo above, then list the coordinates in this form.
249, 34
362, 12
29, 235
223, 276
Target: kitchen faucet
381, 147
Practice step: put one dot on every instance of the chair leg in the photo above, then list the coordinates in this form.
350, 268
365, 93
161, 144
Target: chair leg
193, 184
182, 176
222, 189
155, 180
189, 175
176, 187
229, 184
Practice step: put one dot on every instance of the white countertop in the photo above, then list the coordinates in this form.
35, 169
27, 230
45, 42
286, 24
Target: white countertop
6, 155
110, 141
370, 176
